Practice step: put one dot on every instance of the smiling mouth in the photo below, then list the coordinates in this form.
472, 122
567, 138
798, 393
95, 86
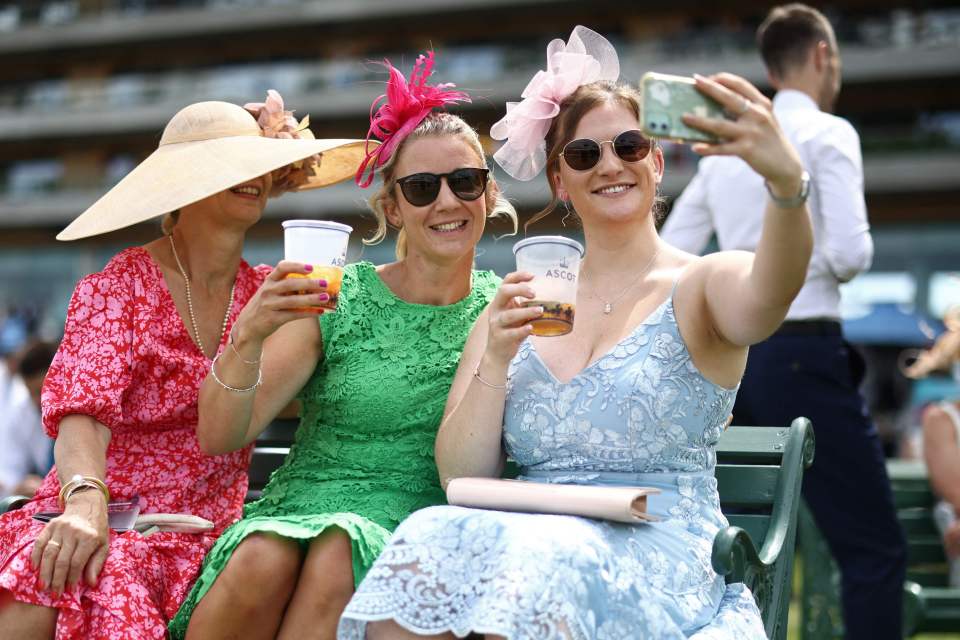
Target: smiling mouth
613, 189
246, 190
448, 227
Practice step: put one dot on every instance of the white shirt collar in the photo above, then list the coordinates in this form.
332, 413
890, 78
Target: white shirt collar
793, 99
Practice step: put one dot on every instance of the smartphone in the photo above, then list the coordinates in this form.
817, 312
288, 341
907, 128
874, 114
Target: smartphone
665, 99
121, 516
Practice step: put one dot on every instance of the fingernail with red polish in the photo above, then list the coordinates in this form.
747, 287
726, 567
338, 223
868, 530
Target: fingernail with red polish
324, 297
308, 268
322, 283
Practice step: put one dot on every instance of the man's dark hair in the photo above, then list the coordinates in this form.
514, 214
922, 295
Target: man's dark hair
788, 33
36, 358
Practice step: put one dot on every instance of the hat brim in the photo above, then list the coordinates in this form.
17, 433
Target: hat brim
176, 175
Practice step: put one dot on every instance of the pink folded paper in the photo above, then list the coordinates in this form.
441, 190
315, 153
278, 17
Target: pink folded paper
620, 504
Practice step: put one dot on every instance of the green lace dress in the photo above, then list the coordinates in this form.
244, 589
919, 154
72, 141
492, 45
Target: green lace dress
362, 459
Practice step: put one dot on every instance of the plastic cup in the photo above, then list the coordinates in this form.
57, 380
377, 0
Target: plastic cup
554, 262
321, 244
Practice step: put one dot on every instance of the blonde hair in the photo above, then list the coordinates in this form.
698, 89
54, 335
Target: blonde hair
436, 124
573, 108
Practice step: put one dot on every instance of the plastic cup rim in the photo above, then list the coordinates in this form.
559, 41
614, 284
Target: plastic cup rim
317, 224
526, 242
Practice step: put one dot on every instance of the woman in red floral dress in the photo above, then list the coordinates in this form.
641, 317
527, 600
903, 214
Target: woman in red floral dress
121, 395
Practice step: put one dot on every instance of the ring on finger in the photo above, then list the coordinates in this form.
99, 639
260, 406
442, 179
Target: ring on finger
54, 543
744, 107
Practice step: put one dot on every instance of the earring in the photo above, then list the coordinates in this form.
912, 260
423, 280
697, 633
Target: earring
570, 212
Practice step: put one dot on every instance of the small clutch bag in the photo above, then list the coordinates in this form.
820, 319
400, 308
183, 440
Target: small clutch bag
620, 504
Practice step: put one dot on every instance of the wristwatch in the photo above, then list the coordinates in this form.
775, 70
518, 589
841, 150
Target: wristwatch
794, 201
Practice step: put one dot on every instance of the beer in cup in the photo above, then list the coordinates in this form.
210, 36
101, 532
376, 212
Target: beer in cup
321, 244
554, 262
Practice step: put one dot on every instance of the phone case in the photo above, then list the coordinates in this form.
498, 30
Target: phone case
665, 98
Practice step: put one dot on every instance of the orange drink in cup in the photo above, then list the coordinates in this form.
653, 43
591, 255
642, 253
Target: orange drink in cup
554, 262
323, 245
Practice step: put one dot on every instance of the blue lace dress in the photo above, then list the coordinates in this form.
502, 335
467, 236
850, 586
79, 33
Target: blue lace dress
641, 415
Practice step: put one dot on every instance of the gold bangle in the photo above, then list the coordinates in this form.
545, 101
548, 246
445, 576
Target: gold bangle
476, 374
78, 481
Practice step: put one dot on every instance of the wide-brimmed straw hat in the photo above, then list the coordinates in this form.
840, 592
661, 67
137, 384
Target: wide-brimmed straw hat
206, 148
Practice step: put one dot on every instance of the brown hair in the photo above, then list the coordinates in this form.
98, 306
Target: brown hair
787, 34
436, 124
572, 110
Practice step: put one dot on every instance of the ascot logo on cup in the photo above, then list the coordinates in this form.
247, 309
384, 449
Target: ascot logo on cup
323, 245
554, 262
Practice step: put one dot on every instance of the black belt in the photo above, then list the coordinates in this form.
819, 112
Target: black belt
809, 328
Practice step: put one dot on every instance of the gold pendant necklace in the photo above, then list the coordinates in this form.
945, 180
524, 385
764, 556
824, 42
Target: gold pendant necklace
608, 304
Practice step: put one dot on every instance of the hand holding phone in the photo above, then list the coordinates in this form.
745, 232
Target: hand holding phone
665, 100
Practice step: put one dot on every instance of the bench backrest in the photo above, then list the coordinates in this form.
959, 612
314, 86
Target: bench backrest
914, 500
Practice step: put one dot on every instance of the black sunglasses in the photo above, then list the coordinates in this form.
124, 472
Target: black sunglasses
583, 153
420, 189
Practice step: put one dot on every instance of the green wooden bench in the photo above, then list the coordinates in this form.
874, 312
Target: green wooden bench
930, 606
759, 474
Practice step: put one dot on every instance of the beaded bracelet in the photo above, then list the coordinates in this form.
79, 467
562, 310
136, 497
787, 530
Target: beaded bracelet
476, 374
79, 482
213, 372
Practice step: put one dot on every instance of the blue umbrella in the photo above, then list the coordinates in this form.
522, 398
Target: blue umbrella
893, 325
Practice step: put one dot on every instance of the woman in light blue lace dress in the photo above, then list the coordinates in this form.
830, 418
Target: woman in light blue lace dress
637, 394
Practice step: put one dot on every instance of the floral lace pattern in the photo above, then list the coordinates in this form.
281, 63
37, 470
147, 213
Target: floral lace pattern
362, 459
127, 360
640, 415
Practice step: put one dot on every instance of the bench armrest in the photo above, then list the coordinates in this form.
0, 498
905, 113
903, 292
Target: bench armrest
733, 552
768, 571
12, 503
914, 607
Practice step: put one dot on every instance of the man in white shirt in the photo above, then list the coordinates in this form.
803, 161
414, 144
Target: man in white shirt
806, 368
26, 452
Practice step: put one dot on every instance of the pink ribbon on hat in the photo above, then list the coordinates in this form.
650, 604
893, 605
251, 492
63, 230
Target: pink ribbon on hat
395, 114
585, 58
276, 122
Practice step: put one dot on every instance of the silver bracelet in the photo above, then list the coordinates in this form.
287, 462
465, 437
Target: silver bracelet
213, 372
476, 374
242, 359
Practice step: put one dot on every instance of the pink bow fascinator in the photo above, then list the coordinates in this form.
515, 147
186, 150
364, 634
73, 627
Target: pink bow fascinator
395, 114
586, 57
276, 122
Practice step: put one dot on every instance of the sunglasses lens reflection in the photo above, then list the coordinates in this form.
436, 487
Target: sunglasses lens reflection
631, 146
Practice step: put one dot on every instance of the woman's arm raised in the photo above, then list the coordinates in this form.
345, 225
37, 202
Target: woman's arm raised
468, 443
277, 342
748, 296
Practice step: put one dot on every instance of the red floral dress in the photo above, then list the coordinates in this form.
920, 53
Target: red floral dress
127, 360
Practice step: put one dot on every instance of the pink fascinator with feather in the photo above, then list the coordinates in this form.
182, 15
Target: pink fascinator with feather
586, 57
395, 114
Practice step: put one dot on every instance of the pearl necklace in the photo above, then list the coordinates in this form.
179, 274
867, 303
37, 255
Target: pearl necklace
608, 304
193, 317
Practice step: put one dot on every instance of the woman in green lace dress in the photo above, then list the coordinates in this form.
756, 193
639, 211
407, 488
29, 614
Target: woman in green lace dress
372, 381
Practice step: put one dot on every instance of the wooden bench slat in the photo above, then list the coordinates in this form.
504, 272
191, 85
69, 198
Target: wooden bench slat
753, 523
742, 485
917, 522
752, 445
925, 550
